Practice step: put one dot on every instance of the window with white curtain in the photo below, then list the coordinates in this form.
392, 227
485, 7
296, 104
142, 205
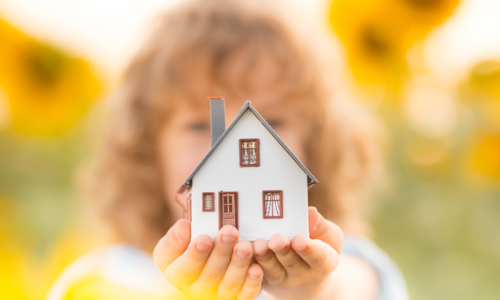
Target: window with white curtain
273, 204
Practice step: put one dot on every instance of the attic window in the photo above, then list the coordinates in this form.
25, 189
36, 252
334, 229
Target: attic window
208, 201
249, 153
273, 204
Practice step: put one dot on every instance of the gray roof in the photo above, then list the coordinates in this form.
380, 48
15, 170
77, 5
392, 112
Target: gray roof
311, 180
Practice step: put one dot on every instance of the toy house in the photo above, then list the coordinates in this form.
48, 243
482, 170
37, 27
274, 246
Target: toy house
249, 179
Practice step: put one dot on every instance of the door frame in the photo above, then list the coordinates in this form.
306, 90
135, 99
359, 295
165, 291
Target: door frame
235, 208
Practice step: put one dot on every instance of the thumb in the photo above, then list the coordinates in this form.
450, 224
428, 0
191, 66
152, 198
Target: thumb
324, 230
173, 244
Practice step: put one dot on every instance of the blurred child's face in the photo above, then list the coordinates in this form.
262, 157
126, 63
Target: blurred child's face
185, 138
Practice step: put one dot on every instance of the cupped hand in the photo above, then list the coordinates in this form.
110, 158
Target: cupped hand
301, 268
206, 269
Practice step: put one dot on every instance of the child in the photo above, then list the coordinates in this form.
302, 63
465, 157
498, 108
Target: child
159, 131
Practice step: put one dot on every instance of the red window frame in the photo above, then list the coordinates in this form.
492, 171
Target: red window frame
257, 152
280, 192
203, 201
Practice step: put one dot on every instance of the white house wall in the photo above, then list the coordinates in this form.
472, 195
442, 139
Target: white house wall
277, 171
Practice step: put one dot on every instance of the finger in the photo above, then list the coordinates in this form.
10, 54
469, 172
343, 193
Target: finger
317, 254
217, 262
253, 283
290, 260
173, 244
325, 230
186, 269
274, 272
237, 270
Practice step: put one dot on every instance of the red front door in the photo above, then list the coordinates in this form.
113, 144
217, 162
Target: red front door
228, 209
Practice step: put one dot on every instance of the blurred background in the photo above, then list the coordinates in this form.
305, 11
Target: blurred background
429, 68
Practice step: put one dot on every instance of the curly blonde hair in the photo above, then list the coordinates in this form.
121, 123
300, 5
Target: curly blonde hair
127, 184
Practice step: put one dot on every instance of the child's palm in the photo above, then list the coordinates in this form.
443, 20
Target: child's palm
203, 269
301, 267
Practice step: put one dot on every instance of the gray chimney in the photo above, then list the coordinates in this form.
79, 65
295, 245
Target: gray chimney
217, 119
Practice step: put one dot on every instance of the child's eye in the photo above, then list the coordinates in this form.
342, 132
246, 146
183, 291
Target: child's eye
274, 123
198, 126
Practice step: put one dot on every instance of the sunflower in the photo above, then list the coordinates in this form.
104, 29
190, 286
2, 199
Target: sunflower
486, 76
485, 156
47, 91
481, 94
377, 34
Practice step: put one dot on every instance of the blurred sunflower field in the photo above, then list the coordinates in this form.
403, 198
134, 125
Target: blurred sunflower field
45, 94
439, 218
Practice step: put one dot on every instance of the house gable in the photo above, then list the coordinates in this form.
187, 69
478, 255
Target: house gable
276, 166
248, 108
